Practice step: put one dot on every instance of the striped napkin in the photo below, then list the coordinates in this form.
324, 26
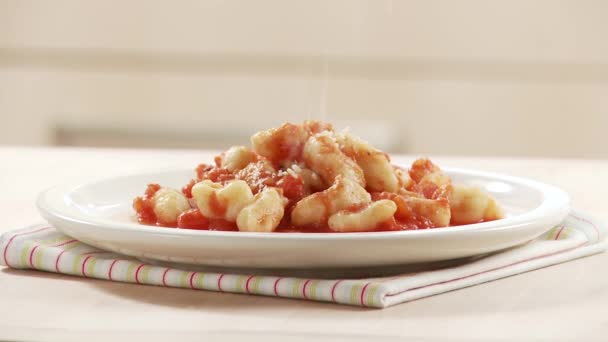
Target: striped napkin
43, 248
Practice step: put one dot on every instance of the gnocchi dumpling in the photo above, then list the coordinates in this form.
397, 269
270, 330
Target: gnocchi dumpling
316, 208
376, 165
429, 180
280, 145
403, 179
222, 202
237, 158
471, 204
311, 180
263, 214
323, 155
365, 219
169, 204
437, 212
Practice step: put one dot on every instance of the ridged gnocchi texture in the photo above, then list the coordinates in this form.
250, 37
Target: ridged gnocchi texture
311, 180
315, 209
471, 204
403, 179
435, 211
169, 204
281, 145
237, 158
364, 219
222, 202
429, 180
257, 174
323, 155
377, 169
265, 212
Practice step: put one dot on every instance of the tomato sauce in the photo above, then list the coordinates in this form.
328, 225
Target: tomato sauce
217, 205
213, 173
187, 189
144, 206
192, 219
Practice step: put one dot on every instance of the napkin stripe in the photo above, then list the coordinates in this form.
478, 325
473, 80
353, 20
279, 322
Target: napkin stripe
295, 289
304, 288
130, 270
200, 280
559, 232
192, 281
65, 243
247, 284
165, 276
13, 238
276, 284
372, 295
597, 230
240, 283
32, 255
353, 293
110, 270
182, 279
362, 298
89, 255
137, 273
486, 271
219, 282
61, 253
83, 267
333, 291
312, 289
256, 284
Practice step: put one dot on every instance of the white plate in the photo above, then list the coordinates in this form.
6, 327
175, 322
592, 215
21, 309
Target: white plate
100, 214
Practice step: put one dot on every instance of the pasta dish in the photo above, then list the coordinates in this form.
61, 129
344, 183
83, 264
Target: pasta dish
311, 178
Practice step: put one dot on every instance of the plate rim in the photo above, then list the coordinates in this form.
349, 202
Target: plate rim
555, 201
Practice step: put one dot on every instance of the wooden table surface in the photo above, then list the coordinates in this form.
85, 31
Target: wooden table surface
561, 303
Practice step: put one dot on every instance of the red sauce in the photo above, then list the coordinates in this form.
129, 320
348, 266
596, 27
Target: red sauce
405, 217
187, 189
287, 144
217, 205
213, 173
293, 187
144, 206
222, 225
192, 219
420, 168
258, 175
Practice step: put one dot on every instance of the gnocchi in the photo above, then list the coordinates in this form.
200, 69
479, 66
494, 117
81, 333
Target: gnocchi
470, 204
369, 217
316, 208
222, 202
169, 204
263, 214
309, 178
323, 156
237, 158
376, 166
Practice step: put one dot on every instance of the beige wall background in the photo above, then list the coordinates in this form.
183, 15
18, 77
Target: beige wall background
470, 77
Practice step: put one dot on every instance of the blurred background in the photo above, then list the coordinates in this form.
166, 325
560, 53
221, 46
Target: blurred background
469, 77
